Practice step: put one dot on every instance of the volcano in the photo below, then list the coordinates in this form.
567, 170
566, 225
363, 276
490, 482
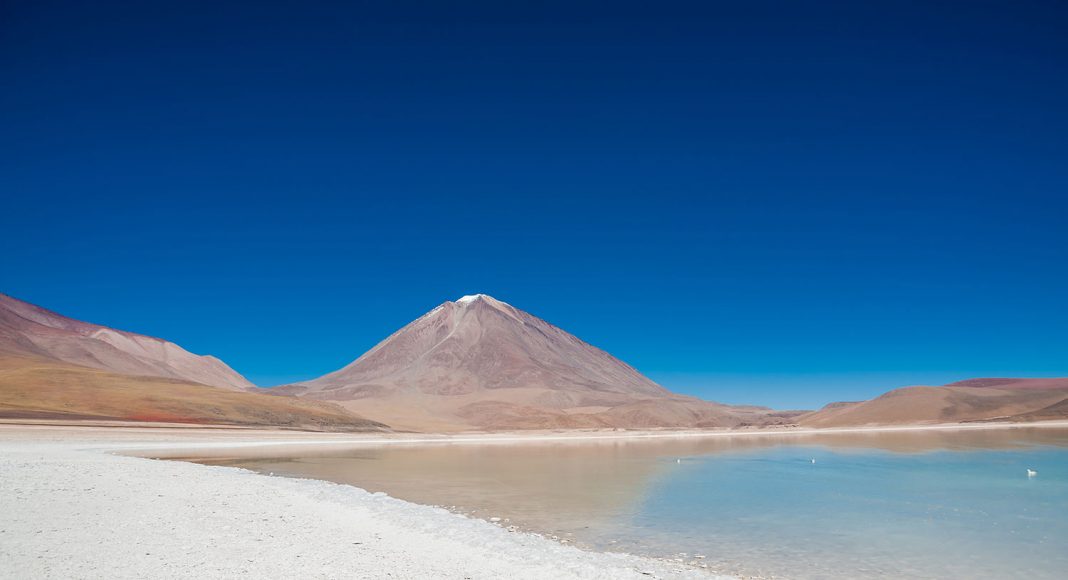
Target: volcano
478, 362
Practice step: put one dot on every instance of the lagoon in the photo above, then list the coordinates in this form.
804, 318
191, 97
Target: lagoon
875, 504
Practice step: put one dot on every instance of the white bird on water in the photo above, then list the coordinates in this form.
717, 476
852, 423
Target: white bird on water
813, 461
1031, 473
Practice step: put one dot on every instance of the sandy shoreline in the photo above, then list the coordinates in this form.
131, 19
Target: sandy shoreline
73, 510
74, 507
164, 436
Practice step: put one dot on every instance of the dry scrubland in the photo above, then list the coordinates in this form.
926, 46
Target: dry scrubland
50, 390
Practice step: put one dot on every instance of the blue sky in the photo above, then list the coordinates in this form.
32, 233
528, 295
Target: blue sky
778, 203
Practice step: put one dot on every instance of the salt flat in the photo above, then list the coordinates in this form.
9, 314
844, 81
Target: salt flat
72, 509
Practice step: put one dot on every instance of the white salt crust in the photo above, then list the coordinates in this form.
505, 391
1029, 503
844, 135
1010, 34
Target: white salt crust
67, 511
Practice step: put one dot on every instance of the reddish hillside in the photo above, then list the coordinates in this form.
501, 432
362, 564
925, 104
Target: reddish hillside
964, 401
42, 389
31, 331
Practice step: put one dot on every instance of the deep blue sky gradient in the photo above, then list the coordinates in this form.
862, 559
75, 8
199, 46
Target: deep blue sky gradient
784, 203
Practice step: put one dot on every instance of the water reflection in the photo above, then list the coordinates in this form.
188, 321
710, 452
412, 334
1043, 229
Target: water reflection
572, 487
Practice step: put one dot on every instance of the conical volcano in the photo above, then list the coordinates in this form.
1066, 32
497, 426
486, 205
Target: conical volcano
480, 362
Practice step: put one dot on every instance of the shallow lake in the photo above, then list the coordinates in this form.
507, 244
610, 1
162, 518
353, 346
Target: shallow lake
912, 504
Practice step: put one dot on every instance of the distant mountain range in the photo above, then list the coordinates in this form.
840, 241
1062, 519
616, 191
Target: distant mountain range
474, 364
974, 400
28, 330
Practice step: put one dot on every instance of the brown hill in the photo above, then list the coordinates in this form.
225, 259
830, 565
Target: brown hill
1053, 412
965, 401
481, 363
56, 367
1013, 384
45, 389
28, 331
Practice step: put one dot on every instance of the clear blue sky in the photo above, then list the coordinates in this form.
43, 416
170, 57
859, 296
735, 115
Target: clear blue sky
784, 203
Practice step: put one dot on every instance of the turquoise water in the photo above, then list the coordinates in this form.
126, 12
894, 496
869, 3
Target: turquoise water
889, 505
871, 513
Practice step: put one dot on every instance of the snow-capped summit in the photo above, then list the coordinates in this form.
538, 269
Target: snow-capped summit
471, 298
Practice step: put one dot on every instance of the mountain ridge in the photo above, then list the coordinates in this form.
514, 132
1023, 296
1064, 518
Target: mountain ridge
53, 367
469, 364
30, 330
971, 400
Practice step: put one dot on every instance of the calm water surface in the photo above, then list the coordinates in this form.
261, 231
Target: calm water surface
935, 504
